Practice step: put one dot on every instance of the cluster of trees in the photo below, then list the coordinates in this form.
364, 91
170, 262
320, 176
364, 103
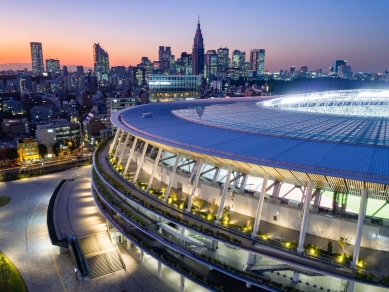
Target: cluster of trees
5, 273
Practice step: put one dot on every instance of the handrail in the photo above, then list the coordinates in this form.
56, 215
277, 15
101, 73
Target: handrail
79, 256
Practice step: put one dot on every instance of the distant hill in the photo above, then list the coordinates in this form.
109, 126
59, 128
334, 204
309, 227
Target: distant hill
21, 66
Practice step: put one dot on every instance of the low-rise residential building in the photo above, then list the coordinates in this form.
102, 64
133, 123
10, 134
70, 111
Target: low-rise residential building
27, 149
41, 114
15, 127
92, 127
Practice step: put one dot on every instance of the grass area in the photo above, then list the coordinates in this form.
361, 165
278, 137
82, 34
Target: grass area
15, 282
353, 203
4, 200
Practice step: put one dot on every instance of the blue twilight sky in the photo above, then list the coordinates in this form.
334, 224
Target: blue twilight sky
312, 33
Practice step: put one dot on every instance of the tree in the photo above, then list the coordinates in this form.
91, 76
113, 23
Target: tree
344, 243
71, 146
5, 272
13, 154
212, 206
329, 246
198, 202
226, 214
42, 148
56, 148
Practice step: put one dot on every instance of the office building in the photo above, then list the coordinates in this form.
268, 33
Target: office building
198, 52
210, 65
174, 87
27, 149
37, 58
257, 60
338, 65
238, 59
80, 71
223, 59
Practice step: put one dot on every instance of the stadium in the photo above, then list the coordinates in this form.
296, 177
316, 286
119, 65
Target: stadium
224, 183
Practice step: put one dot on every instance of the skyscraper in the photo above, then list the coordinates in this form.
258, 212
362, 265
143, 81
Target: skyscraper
238, 59
37, 58
80, 71
210, 64
53, 66
257, 60
198, 52
223, 59
100, 59
164, 59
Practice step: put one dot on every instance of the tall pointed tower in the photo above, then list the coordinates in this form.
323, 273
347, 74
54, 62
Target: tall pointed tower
198, 52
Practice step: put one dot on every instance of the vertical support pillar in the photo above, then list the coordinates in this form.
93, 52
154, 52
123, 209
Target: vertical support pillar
198, 173
140, 161
118, 146
130, 156
124, 148
296, 276
156, 161
276, 190
142, 256
248, 285
182, 283
182, 237
350, 286
250, 258
317, 198
115, 138
172, 175
215, 177
243, 183
260, 205
361, 218
159, 269
304, 221
223, 198
129, 244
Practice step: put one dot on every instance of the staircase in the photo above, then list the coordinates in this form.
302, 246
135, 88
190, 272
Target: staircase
101, 256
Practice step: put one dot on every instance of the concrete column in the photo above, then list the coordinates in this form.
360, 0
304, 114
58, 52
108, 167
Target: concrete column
182, 283
142, 256
129, 244
211, 269
296, 276
350, 286
216, 176
140, 161
194, 187
248, 285
182, 235
250, 258
361, 218
156, 161
115, 138
221, 205
174, 170
304, 221
124, 148
159, 269
243, 184
260, 205
130, 156
213, 244
276, 190
119, 141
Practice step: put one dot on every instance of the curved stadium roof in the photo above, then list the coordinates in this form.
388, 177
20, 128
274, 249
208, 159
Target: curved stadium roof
309, 134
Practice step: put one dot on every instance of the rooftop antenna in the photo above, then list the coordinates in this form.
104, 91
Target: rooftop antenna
199, 18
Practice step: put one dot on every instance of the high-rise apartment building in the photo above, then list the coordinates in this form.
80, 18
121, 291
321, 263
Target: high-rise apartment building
257, 60
238, 59
100, 59
53, 66
223, 59
210, 64
37, 58
198, 52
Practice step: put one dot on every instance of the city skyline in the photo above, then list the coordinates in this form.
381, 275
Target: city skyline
292, 35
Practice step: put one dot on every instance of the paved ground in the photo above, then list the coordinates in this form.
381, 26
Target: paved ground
24, 239
75, 210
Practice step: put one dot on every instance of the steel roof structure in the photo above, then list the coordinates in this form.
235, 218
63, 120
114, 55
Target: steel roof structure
338, 152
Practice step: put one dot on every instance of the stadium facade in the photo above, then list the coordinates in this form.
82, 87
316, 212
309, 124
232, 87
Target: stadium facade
227, 181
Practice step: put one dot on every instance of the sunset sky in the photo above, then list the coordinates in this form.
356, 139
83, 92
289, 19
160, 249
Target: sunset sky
312, 33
